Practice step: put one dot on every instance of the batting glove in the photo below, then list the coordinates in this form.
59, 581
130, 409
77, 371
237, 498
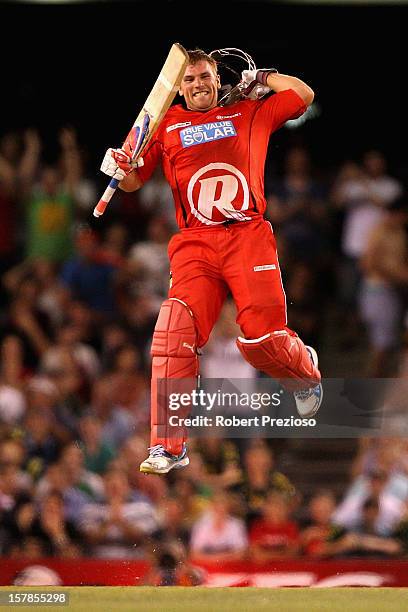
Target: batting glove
118, 164
259, 75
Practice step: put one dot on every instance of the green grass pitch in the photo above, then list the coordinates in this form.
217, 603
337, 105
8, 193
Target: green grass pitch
199, 599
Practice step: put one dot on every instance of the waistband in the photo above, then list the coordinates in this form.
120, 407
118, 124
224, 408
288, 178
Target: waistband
223, 225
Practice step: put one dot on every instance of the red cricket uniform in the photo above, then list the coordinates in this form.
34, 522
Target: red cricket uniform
214, 162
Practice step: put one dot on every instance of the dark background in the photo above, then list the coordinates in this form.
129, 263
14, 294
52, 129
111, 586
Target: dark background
92, 65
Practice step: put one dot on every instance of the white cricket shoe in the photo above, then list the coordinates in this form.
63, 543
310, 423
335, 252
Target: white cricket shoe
308, 401
160, 461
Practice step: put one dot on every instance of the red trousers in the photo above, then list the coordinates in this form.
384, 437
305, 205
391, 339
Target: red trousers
241, 258
206, 264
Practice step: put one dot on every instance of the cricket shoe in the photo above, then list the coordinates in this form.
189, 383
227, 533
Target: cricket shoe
160, 461
308, 401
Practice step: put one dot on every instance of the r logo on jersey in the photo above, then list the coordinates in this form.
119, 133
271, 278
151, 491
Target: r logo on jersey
207, 132
216, 192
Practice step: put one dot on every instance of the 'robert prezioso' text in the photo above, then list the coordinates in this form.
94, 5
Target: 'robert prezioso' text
236, 421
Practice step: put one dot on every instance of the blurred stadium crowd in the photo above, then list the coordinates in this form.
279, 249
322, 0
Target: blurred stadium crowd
79, 304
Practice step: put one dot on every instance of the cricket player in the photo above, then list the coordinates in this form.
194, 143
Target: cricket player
213, 158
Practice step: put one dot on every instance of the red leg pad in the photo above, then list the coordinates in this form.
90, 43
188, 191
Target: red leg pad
174, 357
282, 355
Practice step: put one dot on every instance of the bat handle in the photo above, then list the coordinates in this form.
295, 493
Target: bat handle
105, 199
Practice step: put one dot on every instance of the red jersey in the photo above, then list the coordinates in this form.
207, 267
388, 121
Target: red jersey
273, 536
214, 161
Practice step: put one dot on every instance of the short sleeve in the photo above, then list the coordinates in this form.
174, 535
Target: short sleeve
275, 110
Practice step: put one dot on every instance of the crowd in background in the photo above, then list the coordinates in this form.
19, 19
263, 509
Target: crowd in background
79, 305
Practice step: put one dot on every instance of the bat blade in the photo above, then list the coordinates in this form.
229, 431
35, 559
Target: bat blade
148, 120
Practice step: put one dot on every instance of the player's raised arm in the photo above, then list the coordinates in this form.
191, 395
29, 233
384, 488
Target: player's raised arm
280, 82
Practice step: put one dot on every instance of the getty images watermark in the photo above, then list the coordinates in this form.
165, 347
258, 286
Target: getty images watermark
214, 402
250, 408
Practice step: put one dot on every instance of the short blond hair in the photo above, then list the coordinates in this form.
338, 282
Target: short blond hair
198, 55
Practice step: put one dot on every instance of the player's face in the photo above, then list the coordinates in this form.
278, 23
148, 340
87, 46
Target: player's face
200, 86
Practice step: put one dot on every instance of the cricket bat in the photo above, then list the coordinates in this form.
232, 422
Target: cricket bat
148, 120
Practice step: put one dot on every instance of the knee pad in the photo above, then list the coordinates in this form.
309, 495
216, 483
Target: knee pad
174, 344
174, 357
282, 355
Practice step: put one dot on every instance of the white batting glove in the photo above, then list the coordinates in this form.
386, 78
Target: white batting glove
248, 76
118, 164
110, 167
254, 90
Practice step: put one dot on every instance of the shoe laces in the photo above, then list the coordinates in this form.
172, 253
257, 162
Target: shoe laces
157, 451
306, 393
303, 395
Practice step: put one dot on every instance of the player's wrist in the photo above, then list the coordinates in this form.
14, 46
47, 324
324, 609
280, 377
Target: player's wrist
262, 75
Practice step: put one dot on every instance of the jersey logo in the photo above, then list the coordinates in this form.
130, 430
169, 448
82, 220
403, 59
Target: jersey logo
218, 192
175, 126
207, 132
228, 116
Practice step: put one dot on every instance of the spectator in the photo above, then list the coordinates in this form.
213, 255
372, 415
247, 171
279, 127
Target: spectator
371, 542
12, 362
131, 390
364, 540
12, 399
320, 527
72, 463
98, 454
58, 536
114, 336
217, 535
383, 454
89, 278
385, 274
68, 341
275, 535
13, 454
380, 485
220, 459
149, 261
74, 488
40, 440
121, 526
50, 203
363, 192
11, 486
51, 299
306, 302
114, 245
155, 198
139, 314
221, 353
259, 478
28, 323
297, 210
401, 531
117, 422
